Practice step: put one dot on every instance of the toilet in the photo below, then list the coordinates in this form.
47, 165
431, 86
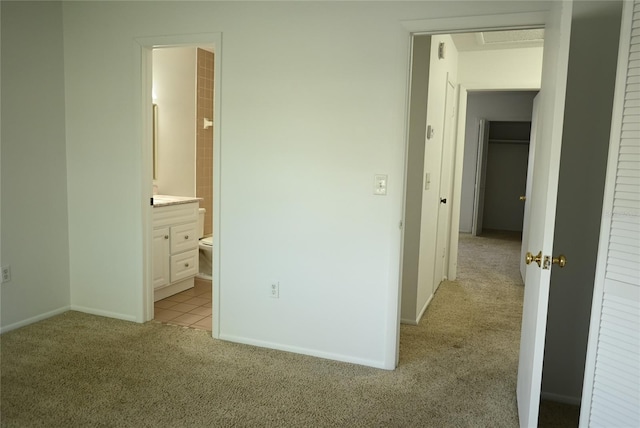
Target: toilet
206, 248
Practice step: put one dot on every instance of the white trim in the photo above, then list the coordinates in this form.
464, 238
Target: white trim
305, 351
143, 47
35, 319
108, 314
403, 221
607, 208
419, 317
475, 23
574, 401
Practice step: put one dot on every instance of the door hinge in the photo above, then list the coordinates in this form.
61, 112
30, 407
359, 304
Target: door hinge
151, 201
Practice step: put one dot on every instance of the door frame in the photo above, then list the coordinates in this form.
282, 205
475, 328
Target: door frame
481, 174
435, 26
142, 50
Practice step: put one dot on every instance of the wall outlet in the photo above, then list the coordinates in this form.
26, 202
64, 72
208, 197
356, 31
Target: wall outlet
6, 274
380, 184
274, 290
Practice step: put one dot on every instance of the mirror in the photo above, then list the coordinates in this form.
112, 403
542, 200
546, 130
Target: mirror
155, 141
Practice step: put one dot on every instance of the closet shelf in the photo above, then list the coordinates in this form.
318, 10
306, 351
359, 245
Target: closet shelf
496, 141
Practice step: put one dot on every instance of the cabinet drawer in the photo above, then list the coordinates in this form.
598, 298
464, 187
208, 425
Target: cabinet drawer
184, 237
184, 265
175, 214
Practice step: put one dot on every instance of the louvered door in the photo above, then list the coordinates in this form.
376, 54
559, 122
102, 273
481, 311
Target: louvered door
611, 394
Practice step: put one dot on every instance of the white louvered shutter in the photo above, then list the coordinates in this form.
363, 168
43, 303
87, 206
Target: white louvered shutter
611, 394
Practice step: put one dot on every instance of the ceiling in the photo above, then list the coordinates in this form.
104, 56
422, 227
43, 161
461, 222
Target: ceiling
489, 40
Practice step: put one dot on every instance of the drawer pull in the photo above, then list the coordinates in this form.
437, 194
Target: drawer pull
166, 236
186, 236
186, 265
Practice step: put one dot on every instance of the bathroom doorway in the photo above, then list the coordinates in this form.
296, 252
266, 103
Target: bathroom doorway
182, 94
179, 92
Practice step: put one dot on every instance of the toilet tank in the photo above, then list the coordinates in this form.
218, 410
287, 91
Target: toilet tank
201, 213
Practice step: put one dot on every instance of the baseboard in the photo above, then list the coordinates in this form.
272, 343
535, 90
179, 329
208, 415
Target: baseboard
305, 351
424, 308
561, 398
32, 320
102, 313
419, 317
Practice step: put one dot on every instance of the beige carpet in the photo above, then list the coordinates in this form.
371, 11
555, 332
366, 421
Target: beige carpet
457, 368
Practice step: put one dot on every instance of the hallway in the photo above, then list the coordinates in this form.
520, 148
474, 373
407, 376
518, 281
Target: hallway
468, 340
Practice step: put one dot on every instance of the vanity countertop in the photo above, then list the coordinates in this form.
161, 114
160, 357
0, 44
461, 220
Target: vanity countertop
166, 200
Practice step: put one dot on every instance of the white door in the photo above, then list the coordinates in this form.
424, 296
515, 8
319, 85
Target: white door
481, 176
160, 257
542, 211
527, 192
442, 238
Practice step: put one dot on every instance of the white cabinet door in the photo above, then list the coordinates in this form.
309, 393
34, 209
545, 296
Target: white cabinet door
160, 262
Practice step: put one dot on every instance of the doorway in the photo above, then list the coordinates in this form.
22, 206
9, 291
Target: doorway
442, 152
501, 176
182, 93
210, 161
528, 387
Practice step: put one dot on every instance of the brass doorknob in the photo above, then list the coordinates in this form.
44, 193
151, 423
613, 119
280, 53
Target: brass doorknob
561, 261
531, 258
523, 198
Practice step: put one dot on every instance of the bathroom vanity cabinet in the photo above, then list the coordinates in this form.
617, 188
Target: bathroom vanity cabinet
175, 248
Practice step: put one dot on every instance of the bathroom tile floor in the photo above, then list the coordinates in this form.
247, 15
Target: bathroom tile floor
190, 308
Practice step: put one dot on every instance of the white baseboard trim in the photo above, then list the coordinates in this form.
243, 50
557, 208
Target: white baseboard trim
561, 398
32, 320
305, 351
424, 308
419, 317
102, 313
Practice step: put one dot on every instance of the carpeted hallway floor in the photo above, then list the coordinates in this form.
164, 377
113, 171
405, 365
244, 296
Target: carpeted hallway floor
457, 368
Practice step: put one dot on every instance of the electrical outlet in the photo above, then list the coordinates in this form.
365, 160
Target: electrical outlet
274, 290
6, 274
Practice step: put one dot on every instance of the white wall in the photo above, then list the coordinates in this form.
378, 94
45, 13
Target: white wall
492, 105
501, 68
309, 115
174, 84
585, 144
34, 190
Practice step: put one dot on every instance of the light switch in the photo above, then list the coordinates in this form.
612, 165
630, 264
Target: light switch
380, 184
